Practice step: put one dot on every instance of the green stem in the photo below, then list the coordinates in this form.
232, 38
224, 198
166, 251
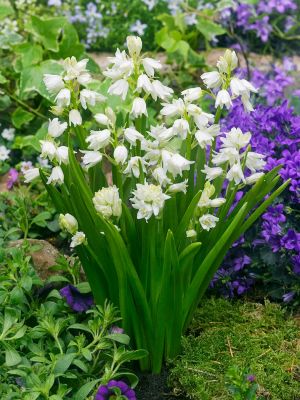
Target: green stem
26, 106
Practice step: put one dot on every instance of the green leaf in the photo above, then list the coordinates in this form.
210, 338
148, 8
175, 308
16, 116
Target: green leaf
5, 10
63, 363
208, 28
2, 78
119, 337
12, 357
70, 44
41, 218
31, 78
48, 30
29, 53
85, 390
21, 117
31, 140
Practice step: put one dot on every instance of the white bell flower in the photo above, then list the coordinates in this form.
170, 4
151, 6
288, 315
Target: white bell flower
246, 102
31, 174
191, 233
161, 133
217, 202
120, 154
68, 223
48, 149
228, 62
139, 107
254, 161
208, 221
178, 187
76, 70
230, 154
75, 118
236, 174
56, 176
91, 158
149, 200
53, 83
143, 83
102, 119
132, 135
236, 138
241, 86
161, 91
63, 98
175, 163
181, 128
56, 128
134, 165
90, 97
208, 191
150, 65
160, 175
212, 172
223, 99
177, 107
212, 79
119, 88
250, 180
107, 202
134, 45
205, 136
202, 120
62, 154
78, 239
192, 94
98, 139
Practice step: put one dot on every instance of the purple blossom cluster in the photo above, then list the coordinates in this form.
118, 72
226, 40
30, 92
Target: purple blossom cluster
275, 239
92, 19
115, 390
258, 17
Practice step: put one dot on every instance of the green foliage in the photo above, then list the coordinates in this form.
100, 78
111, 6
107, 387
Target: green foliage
230, 340
48, 352
24, 213
31, 48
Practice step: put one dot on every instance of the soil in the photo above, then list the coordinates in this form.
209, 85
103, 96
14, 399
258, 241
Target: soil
155, 387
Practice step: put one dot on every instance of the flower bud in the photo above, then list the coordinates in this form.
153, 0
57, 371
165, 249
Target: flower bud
68, 223
75, 118
120, 154
134, 45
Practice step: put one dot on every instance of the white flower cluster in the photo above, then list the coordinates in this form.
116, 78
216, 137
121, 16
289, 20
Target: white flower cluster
160, 159
69, 224
222, 80
7, 134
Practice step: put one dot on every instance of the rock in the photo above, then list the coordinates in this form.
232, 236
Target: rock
44, 255
3, 182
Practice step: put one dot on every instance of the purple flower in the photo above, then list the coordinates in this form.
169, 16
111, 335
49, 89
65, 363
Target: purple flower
262, 28
287, 297
251, 378
79, 302
113, 389
116, 329
12, 178
291, 241
296, 264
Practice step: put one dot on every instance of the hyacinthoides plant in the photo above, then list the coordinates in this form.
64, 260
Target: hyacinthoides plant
152, 232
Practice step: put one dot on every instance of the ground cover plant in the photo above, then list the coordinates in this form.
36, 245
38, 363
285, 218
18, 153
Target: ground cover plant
236, 346
153, 168
56, 344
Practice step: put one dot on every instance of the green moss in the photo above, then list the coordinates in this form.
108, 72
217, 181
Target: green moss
261, 338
